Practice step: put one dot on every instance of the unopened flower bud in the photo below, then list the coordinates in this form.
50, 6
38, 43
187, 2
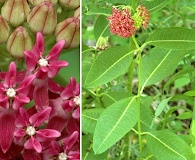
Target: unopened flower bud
36, 2
15, 11
102, 43
144, 14
69, 30
18, 42
70, 4
43, 18
77, 13
4, 30
138, 20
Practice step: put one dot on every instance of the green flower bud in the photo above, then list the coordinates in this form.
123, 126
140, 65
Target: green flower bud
4, 30
102, 43
138, 21
18, 42
70, 4
69, 30
36, 2
77, 13
15, 11
43, 18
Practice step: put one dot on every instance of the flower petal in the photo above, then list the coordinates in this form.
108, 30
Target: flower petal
33, 143
22, 119
7, 127
54, 67
55, 51
24, 86
38, 118
74, 155
10, 79
48, 133
58, 123
20, 133
19, 101
38, 48
31, 155
69, 89
76, 113
31, 60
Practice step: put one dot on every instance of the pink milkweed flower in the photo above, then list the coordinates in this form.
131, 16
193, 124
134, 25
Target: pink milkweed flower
71, 98
29, 129
48, 66
10, 94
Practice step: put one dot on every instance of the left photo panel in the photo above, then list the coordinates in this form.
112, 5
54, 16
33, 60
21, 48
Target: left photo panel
39, 79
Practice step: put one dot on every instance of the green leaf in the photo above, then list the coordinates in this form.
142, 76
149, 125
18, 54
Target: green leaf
190, 93
185, 115
158, 64
173, 38
89, 119
95, 10
100, 27
161, 106
115, 121
155, 5
167, 145
109, 65
87, 151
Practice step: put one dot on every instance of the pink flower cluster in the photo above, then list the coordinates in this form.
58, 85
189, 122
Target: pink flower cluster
39, 119
121, 23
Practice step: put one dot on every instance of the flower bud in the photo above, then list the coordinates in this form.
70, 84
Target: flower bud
102, 43
70, 4
18, 42
43, 18
15, 11
144, 14
69, 30
77, 13
37, 2
4, 30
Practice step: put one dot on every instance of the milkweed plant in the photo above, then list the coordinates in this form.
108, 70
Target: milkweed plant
39, 80
138, 80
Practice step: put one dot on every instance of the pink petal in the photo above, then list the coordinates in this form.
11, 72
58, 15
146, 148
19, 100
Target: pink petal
33, 143
73, 125
42, 72
22, 119
7, 127
70, 141
38, 48
74, 155
58, 123
19, 101
54, 67
10, 78
31, 155
69, 89
55, 51
48, 133
54, 87
38, 118
53, 149
76, 113
40, 94
31, 60
68, 105
24, 86
20, 133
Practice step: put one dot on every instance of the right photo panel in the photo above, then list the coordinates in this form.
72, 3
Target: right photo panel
138, 80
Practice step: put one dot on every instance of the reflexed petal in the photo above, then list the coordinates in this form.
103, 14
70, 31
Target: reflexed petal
48, 133
22, 119
69, 89
20, 133
58, 123
74, 155
7, 127
31, 60
33, 143
54, 67
10, 79
19, 101
76, 113
77, 89
73, 125
31, 155
54, 87
42, 73
53, 148
68, 105
38, 118
55, 51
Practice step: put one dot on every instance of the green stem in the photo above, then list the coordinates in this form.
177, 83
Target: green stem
134, 4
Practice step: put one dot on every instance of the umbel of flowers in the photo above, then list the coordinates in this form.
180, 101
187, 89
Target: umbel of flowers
49, 128
124, 24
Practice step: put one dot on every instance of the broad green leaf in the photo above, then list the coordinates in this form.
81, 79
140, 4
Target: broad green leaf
158, 64
112, 97
115, 121
87, 150
185, 115
166, 145
173, 38
89, 119
155, 5
109, 65
190, 93
161, 106
101, 27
